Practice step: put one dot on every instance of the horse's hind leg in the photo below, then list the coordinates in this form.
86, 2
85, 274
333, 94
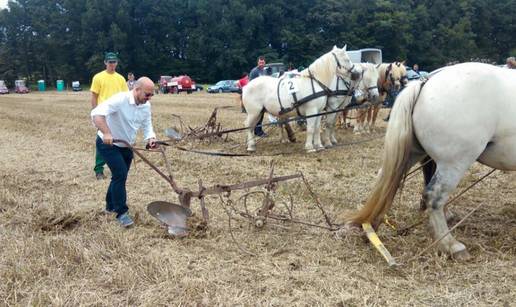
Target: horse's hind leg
429, 167
436, 194
250, 121
428, 172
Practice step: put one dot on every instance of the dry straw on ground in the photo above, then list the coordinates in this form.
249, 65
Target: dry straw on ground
58, 248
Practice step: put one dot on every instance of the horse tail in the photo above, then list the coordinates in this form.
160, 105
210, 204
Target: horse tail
398, 143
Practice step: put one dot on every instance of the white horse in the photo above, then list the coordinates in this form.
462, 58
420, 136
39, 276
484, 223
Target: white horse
462, 114
279, 96
390, 80
367, 90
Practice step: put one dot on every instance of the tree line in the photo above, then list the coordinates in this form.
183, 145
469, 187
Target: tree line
220, 39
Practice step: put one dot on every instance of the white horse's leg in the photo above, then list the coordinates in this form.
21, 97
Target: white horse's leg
317, 133
310, 129
251, 121
436, 194
328, 134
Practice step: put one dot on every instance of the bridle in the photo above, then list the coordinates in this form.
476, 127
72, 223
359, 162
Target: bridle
354, 75
389, 78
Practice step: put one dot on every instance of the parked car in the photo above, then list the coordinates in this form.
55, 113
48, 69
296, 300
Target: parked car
20, 87
76, 86
275, 68
198, 87
412, 75
3, 88
224, 86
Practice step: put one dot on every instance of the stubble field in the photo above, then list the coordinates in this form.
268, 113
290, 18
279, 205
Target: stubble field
58, 248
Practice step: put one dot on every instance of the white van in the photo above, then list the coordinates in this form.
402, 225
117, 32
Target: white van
366, 55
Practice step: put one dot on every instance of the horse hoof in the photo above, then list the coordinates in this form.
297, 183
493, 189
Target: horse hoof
320, 148
251, 149
328, 145
311, 150
462, 255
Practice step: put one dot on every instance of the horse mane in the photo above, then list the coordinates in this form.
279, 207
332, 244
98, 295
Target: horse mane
321, 69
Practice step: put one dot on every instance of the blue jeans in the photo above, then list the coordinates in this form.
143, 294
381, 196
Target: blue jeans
118, 159
258, 128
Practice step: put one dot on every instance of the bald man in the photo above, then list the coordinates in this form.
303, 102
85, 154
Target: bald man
120, 117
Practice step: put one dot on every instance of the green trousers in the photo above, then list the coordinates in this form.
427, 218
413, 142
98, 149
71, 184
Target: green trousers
99, 163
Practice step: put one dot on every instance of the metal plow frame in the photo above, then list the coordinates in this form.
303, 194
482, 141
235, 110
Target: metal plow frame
185, 196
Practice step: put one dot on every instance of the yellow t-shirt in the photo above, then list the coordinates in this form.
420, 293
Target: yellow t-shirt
106, 85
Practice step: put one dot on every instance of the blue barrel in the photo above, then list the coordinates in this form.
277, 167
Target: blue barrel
41, 85
60, 85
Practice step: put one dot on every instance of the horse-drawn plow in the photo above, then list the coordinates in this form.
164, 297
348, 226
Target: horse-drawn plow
256, 203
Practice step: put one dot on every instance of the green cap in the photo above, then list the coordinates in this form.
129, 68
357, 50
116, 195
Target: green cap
110, 56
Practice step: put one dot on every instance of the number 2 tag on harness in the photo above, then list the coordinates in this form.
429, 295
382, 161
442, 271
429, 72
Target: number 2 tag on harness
292, 86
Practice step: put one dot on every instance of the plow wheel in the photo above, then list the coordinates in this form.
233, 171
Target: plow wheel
249, 226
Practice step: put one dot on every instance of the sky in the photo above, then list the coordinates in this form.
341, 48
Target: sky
3, 4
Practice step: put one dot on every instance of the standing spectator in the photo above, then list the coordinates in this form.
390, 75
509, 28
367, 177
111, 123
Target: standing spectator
510, 63
130, 81
415, 68
120, 117
104, 85
259, 70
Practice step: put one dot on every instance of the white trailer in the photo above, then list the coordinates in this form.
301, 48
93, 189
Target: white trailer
366, 55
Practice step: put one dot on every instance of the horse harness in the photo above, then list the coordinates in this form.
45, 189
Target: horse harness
325, 91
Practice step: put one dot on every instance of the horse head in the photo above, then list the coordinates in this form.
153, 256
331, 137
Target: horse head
369, 82
345, 69
392, 77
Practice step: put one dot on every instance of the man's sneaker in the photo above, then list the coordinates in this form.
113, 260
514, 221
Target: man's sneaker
262, 134
125, 220
100, 176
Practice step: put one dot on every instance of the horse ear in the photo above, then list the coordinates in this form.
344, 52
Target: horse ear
335, 47
345, 46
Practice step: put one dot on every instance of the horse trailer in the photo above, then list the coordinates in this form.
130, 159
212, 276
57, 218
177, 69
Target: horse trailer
366, 55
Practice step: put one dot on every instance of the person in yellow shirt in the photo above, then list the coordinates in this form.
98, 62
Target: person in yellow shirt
104, 85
